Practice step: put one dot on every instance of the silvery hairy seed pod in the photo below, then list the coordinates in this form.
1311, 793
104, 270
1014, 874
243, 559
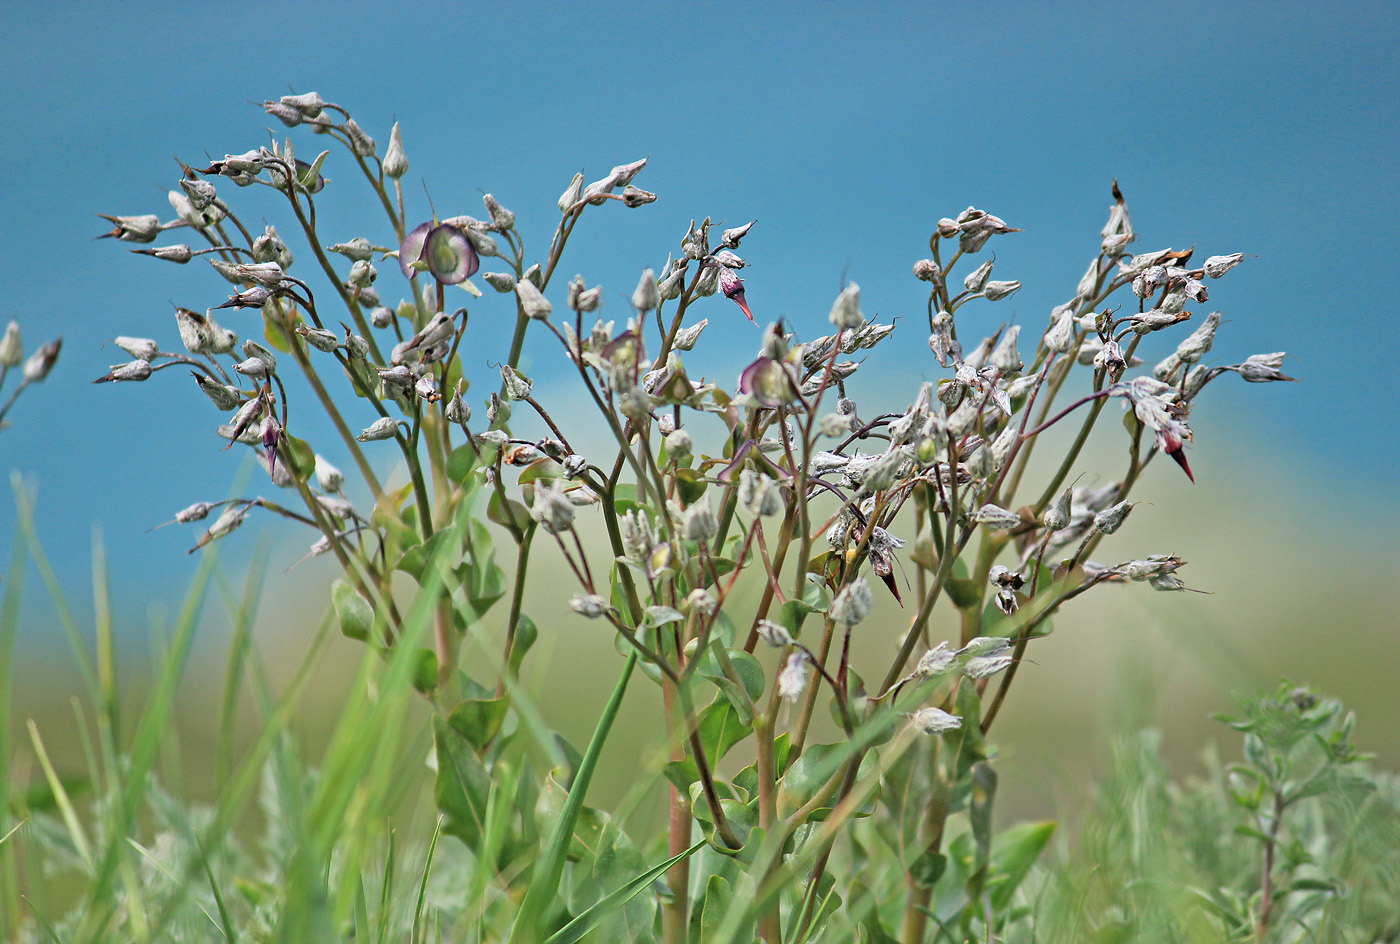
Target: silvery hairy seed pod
308, 105
269, 247
143, 348
254, 367
996, 291
501, 218
647, 294
336, 505
980, 667
730, 238
328, 477
395, 162
1111, 359
666, 424
133, 371
977, 278
552, 507
12, 348
935, 721
133, 229
516, 385
224, 397
774, 634
532, 301
636, 196
254, 349
1216, 266
926, 270
227, 522
845, 312
792, 680
936, 661
1196, 290
355, 346
853, 603
1111, 519
319, 338
1155, 320
383, 428
941, 342
678, 443
1057, 516
588, 605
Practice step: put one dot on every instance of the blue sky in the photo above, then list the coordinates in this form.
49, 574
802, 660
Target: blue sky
847, 130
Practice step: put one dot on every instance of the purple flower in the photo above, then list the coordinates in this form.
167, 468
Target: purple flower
769, 382
445, 250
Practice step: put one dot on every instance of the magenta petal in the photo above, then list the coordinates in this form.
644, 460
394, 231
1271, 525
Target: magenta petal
450, 256
412, 248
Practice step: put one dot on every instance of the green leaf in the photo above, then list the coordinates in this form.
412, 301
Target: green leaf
508, 514
690, 485
576, 928
719, 899
525, 635
461, 462
719, 729
814, 769
1013, 854
443, 547
545, 468
462, 786
353, 611
750, 674
479, 720
298, 456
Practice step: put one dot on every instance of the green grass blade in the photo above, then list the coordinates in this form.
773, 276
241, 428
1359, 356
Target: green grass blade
544, 882
423, 884
585, 922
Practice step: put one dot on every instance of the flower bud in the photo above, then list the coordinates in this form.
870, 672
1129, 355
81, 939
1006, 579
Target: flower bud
515, 384
792, 680
996, 518
1005, 357
678, 444
1216, 266
935, 721
588, 605
501, 218
699, 522
501, 281
134, 229
136, 370
196, 512
361, 143
383, 428
686, 337
1111, 519
356, 250
1262, 368
179, 254
224, 397
774, 634
672, 283
729, 239
853, 603
42, 361
532, 301
980, 667
584, 299
996, 291
1057, 516
11, 348
395, 161
457, 411
758, 494
552, 508
571, 196
647, 295
227, 522
926, 270
977, 278
845, 312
